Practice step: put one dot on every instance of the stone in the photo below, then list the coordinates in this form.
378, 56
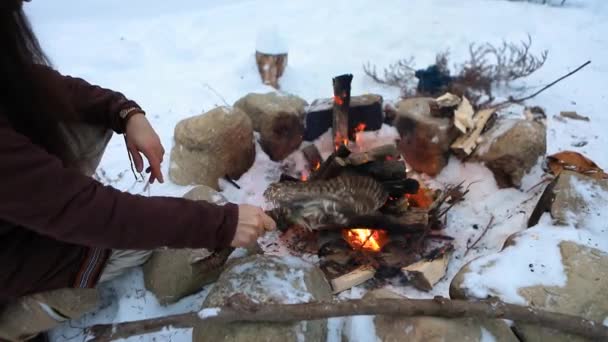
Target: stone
583, 295
511, 148
423, 329
576, 196
267, 279
279, 118
205, 193
205, 148
363, 109
172, 274
425, 139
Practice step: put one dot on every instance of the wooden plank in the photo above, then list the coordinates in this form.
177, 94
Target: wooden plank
466, 144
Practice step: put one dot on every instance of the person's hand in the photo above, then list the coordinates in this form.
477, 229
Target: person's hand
141, 138
252, 224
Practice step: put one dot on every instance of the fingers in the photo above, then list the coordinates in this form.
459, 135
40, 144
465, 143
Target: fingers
137, 159
267, 222
155, 158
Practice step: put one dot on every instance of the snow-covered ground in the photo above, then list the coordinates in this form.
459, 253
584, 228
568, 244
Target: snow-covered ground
180, 58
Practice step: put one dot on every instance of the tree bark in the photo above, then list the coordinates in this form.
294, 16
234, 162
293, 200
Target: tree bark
241, 309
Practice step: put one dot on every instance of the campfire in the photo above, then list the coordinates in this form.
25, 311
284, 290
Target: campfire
363, 213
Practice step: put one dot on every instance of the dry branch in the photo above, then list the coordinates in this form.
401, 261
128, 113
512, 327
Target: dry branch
480, 236
241, 309
525, 98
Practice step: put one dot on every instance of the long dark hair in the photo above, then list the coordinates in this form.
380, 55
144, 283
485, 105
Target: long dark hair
33, 105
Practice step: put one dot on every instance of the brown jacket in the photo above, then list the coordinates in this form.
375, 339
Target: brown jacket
57, 224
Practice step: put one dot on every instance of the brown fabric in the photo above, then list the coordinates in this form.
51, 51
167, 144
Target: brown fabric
50, 215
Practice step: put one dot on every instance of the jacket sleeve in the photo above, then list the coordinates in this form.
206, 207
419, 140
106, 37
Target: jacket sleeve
38, 193
93, 104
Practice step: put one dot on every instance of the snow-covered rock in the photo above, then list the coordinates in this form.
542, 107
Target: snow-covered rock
267, 279
212, 145
559, 268
422, 329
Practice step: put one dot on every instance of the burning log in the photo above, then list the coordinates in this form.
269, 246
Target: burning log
466, 144
331, 167
313, 156
340, 131
382, 170
384, 152
363, 110
352, 279
424, 274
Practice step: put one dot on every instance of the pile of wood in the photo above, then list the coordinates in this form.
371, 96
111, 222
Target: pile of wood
407, 253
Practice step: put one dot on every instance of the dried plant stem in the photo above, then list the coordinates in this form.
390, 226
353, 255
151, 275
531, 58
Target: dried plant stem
519, 100
480, 236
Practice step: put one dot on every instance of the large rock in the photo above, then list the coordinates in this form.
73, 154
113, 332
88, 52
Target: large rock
583, 295
424, 329
267, 279
576, 197
280, 120
212, 145
172, 274
425, 139
510, 148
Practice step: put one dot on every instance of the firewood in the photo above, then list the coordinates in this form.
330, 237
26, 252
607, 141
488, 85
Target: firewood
330, 167
340, 131
466, 144
383, 170
312, 155
383, 152
240, 309
356, 277
424, 274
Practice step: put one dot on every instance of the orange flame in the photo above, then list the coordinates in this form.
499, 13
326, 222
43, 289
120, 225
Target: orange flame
304, 176
317, 166
422, 199
360, 127
338, 100
371, 240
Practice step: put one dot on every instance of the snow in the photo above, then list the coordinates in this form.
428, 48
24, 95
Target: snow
179, 59
270, 41
209, 312
487, 336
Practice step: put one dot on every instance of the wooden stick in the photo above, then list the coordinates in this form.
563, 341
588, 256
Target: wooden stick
243, 310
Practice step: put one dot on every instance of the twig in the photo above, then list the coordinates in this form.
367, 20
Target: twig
513, 100
241, 309
231, 181
131, 163
542, 181
217, 94
480, 236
